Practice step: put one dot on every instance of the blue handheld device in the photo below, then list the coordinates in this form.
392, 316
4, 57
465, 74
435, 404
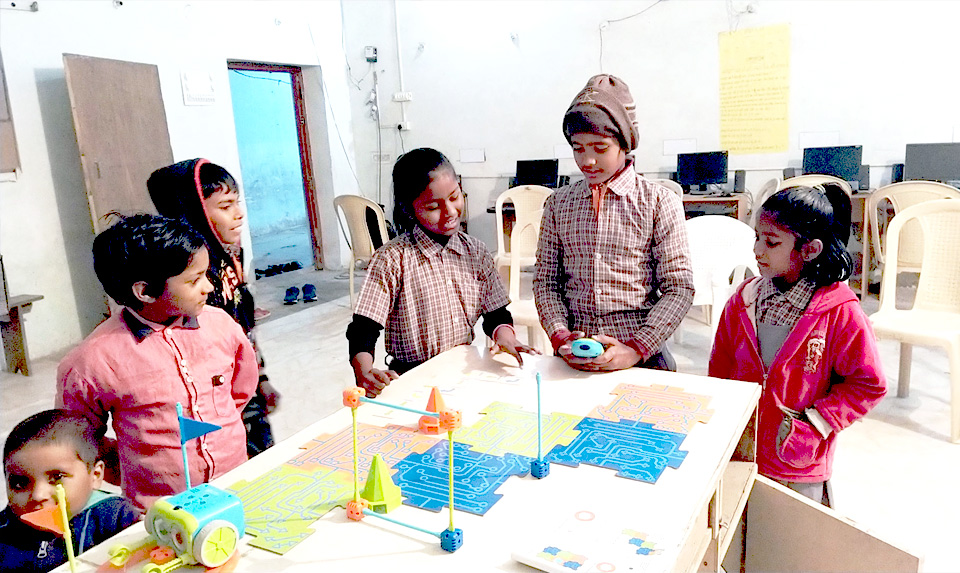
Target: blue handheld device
586, 348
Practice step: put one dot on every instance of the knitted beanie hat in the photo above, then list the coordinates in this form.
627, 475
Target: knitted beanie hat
605, 107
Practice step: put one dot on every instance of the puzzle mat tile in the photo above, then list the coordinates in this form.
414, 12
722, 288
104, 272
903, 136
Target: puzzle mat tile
423, 478
635, 449
280, 505
506, 428
666, 407
392, 442
593, 542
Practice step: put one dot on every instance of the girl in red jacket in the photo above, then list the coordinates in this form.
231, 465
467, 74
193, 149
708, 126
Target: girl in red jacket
799, 331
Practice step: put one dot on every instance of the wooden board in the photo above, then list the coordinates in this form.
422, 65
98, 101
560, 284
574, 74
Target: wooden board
788, 532
121, 131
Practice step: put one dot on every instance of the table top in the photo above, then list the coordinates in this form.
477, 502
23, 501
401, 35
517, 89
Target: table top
470, 379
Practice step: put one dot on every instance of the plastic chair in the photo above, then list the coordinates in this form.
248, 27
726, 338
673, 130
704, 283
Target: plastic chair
721, 253
900, 196
816, 179
354, 208
524, 310
934, 319
528, 203
669, 184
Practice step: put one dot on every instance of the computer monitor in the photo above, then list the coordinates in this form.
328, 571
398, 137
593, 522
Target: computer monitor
842, 162
932, 162
537, 172
697, 170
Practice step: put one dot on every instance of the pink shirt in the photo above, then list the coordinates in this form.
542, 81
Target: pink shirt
137, 371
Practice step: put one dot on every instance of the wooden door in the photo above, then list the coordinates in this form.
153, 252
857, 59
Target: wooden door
121, 131
788, 532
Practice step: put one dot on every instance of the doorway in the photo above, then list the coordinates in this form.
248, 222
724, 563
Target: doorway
268, 112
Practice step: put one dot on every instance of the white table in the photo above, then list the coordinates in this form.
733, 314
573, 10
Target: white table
682, 502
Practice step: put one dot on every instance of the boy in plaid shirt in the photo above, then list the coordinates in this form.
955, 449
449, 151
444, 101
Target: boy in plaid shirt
612, 260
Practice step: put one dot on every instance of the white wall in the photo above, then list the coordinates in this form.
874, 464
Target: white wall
878, 74
45, 229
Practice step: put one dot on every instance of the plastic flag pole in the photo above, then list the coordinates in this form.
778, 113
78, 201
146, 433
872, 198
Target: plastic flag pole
183, 448
61, 497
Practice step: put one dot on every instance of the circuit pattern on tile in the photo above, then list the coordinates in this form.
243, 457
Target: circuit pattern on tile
666, 407
635, 449
392, 442
508, 429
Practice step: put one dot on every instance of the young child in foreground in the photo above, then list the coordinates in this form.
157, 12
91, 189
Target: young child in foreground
431, 284
612, 260
799, 331
165, 346
207, 197
49, 448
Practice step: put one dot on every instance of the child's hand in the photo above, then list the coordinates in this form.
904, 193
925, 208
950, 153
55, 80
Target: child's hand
270, 395
371, 379
505, 340
616, 356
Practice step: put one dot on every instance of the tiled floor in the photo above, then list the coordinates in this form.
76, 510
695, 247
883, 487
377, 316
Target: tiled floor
895, 472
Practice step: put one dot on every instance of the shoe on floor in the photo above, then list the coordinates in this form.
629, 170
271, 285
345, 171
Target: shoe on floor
260, 313
309, 293
293, 293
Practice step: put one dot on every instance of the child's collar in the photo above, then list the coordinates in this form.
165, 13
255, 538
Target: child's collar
142, 327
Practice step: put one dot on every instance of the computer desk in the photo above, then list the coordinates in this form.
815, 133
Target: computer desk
693, 510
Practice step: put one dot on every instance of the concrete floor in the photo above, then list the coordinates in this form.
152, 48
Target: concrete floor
895, 472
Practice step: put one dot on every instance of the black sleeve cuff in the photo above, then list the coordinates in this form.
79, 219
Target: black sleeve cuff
494, 318
362, 335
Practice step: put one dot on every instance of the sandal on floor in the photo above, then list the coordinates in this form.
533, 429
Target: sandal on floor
309, 293
293, 293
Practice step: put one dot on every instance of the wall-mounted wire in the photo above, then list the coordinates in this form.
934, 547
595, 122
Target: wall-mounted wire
606, 24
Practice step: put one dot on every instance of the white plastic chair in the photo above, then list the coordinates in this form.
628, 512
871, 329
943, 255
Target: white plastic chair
524, 310
670, 184
812, 179
354, 209
528, 203
721, 253
934, 319
900, 196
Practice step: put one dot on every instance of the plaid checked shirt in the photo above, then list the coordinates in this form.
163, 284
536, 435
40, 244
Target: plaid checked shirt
624, 272
429, 296
783, 308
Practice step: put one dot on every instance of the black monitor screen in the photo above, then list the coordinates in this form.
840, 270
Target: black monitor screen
932, 162
702, 168
538, 172
843, 162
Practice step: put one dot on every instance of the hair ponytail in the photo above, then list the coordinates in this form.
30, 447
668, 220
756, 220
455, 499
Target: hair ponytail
820, 212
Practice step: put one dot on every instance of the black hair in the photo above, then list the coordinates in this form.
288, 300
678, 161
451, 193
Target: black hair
411, 176
142, 247
819, 212
57, 426
213, 177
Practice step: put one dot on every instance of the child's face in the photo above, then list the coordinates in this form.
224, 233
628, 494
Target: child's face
184, 294
776, 252
34, 470
439, 207
599, 158
223, 209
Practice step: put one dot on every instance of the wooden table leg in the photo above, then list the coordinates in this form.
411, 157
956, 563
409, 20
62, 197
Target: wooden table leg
14, 343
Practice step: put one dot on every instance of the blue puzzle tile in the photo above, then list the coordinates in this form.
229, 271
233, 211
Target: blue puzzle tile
635, 449
423, 478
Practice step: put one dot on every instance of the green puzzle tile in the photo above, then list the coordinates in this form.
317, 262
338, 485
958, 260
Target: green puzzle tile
507, 429
280, 505
668, 408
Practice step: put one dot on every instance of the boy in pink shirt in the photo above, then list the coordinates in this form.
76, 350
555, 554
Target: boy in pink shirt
165, 346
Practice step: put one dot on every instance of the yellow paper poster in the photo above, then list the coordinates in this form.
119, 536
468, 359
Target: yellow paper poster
755, 89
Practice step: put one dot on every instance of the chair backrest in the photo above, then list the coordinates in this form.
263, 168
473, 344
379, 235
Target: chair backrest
939, 287
718, 244
670, 184
354, 208
528, 203
768, 189
523, 235
816, 179
900, 196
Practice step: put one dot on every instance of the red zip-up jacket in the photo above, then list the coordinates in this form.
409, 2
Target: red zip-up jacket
829, 362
